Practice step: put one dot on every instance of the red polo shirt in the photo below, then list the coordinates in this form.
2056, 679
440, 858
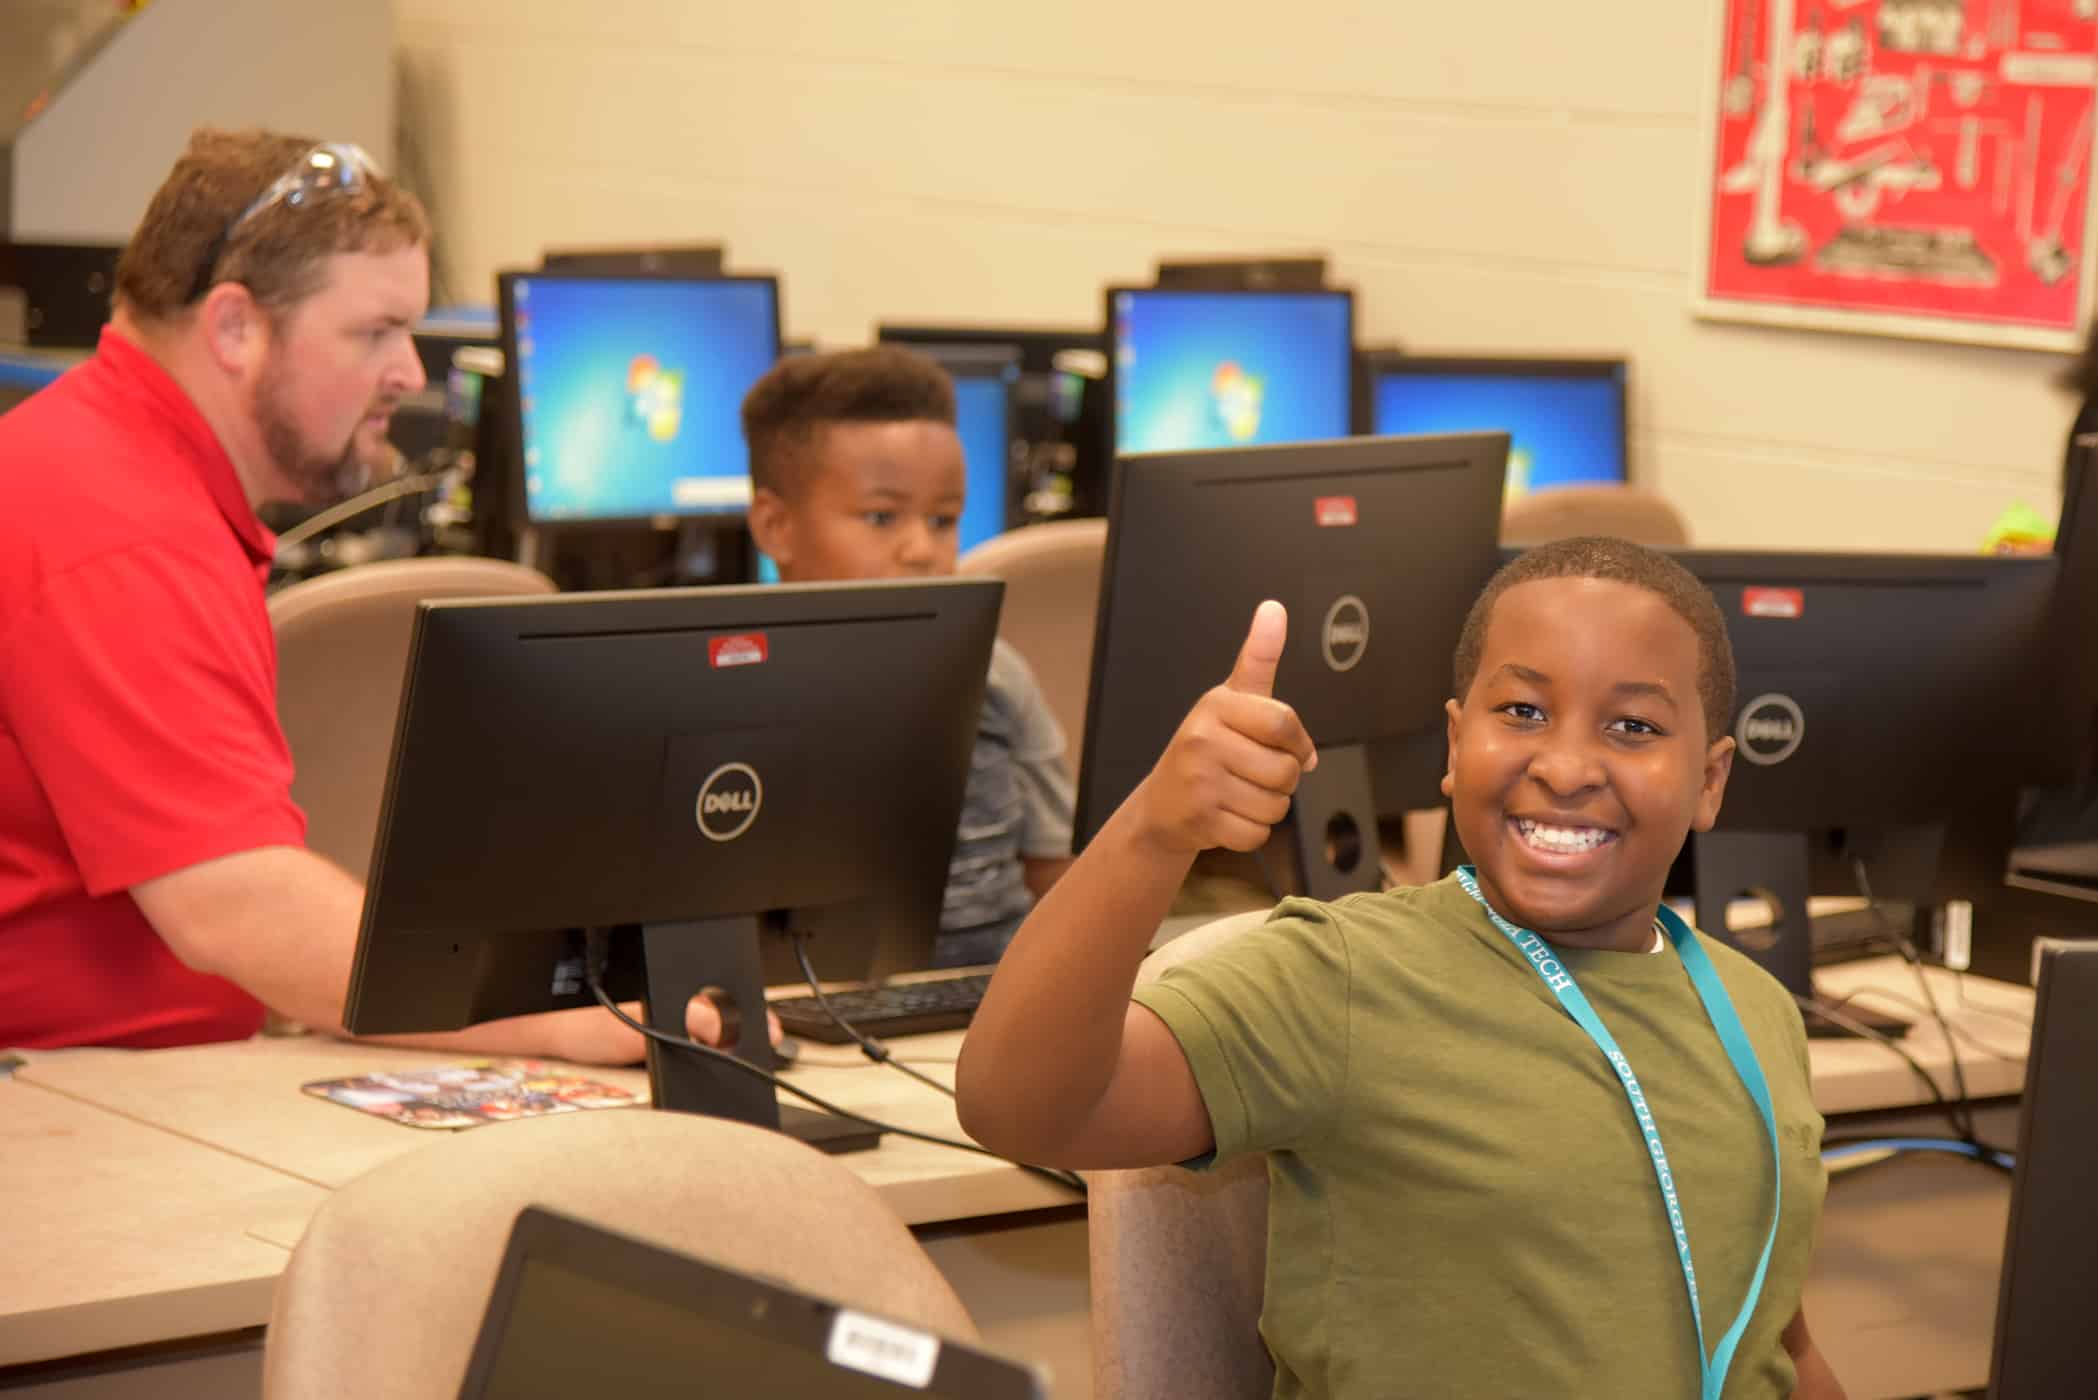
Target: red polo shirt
138, 719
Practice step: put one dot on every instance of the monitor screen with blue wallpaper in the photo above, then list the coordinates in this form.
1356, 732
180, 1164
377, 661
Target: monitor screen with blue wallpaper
630, 391
1230, 369
983, 417
1565, 418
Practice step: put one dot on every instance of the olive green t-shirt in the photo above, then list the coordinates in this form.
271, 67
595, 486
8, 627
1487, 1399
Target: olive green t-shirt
1460, 1201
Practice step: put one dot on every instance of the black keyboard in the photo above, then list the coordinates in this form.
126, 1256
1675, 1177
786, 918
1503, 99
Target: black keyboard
897, 1008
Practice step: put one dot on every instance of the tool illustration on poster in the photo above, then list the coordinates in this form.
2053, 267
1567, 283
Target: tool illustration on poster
1909, 166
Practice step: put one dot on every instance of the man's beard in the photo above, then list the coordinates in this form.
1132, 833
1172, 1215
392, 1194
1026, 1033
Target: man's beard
319, 478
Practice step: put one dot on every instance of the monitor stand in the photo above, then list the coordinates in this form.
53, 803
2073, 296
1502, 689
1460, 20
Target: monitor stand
1775, 867
1335, 825
682, 959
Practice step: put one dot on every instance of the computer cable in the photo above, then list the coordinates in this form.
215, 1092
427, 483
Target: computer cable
1858, 1028
1901, 999
1964, 1123
2024, 1023
1841, 1149
873, 1049
597, 953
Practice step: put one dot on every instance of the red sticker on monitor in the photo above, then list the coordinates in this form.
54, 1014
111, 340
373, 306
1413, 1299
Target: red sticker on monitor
1772, 602
743, 649
1334, 510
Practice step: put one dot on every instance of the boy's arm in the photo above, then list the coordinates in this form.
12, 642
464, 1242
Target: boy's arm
1816, 1379
1059, 1066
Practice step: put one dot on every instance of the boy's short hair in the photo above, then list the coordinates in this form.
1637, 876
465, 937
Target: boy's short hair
799, 397
278, 253
1619, 561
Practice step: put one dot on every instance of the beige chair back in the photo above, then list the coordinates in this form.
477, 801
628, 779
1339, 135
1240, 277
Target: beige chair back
1179, 1259
1563, 512
342, 653
1052, 593
385, 1292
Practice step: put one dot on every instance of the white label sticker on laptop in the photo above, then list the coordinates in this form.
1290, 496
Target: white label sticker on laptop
903, 1355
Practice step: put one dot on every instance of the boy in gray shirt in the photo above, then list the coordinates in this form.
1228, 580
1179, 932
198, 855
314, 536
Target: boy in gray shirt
857, 473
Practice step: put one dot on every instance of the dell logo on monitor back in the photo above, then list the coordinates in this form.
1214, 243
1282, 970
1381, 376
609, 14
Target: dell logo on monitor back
729, 801
1346, 634
1771, 729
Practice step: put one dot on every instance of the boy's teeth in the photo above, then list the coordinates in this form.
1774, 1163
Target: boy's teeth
1561, 838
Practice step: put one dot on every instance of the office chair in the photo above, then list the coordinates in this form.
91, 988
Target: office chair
385, 1292
342, 650
1052, 595
1179, 1258
1563, 512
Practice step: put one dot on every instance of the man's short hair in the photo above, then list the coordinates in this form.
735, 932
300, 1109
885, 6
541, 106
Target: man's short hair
1618, 561
278, 254
786, 411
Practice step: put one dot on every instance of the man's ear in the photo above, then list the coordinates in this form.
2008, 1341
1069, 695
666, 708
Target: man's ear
1719, 762
1454, 713
771, 525
233, 328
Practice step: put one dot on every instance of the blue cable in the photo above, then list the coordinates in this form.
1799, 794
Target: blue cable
1952, 1145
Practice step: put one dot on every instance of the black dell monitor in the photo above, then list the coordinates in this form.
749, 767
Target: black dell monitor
67, 289
1564, 416
1887, 710
2056, 848
1377, 546
628, 392
1042, 349
2045, 1345
680, 768
1295, 272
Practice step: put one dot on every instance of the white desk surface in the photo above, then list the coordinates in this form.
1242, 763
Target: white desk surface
1991, 1023
114, 1232
244, 1098
182, 1178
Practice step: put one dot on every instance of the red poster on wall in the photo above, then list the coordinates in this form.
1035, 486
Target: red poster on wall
1912, 167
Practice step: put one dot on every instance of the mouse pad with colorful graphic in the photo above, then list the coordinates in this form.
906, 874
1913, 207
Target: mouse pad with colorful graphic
468, 1095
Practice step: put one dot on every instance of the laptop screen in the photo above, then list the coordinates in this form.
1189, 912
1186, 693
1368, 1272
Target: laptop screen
578, 1310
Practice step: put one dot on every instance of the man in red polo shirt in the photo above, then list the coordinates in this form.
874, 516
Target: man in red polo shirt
154, 885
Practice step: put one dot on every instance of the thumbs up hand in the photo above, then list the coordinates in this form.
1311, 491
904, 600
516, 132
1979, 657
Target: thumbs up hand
1227, 776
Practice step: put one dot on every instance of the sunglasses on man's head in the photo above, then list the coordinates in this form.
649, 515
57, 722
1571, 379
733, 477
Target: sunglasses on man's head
331, 167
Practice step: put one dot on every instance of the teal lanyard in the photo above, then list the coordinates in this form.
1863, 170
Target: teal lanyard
1720, 1008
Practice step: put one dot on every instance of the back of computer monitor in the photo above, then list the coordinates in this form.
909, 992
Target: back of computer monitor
617, 760
1040, 347
671, 259
2046, 1347
66, 289
1886, 710
1302, 272
1878, 690
1377, 546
